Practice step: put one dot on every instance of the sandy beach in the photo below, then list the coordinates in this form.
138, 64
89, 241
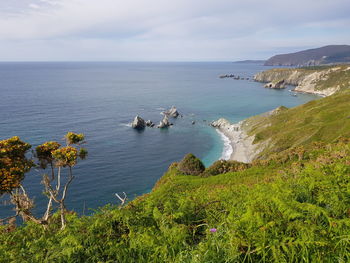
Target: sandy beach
243, 149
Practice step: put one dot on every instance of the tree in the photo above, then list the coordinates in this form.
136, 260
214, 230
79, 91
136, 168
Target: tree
52, 154
14, 164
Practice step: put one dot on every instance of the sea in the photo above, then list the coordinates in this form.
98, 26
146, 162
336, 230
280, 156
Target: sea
42, 101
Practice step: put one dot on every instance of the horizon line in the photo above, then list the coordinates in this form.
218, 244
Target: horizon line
129, 61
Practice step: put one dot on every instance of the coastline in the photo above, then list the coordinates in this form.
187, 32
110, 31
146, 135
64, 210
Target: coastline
227, 150
322, 82
242, 148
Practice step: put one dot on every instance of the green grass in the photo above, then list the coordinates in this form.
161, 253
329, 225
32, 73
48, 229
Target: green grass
323, 120
339, 78
284, 209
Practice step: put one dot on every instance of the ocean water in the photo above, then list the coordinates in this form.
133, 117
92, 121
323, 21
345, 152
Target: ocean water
42, 101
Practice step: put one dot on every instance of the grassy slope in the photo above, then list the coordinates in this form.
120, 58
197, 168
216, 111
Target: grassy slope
286, 209
319, 120
339, 78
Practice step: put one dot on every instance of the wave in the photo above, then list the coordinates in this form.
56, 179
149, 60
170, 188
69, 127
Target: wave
228, 149
125, 124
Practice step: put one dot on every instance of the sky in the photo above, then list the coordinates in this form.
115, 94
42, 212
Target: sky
167, 30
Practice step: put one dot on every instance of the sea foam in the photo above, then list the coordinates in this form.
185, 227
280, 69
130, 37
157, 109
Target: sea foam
227, 150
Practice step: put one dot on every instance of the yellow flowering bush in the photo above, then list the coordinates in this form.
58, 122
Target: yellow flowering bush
66, 156
74, 138
44, 153
13, 163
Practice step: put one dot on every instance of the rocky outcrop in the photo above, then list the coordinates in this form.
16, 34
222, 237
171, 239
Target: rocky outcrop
276, 85
323, 81
172, 112
164, 123
138, 123
225, 124
290, 76
226, 76
236, 77
149, 123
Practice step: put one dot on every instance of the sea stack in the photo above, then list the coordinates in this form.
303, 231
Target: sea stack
149, 123
164, 123
138, 123
172, 112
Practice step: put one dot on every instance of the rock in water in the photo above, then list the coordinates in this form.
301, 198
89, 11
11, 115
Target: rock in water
164, 123
149, 123
138, 123
172, 112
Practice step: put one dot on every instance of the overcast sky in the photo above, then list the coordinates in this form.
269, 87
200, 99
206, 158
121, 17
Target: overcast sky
167, 30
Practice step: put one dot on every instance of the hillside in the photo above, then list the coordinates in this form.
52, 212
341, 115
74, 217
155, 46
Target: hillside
312, 57
292, 207
322, 120
250, 62
322, 80
291, 204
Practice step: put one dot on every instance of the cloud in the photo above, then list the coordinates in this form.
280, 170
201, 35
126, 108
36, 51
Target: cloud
34, 6
167, 30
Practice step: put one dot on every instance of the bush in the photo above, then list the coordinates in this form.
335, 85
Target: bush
191, 165
223, 166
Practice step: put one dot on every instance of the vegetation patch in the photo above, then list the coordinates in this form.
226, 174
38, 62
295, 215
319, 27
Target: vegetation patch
191, 165
223, 166
291, 207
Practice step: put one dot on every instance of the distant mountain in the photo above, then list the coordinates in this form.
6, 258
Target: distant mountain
250, 61
313, 57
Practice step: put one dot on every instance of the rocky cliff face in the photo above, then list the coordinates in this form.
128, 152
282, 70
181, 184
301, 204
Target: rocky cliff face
319, 80
290, 76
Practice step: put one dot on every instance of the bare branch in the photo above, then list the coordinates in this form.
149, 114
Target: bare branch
48, 209
62, 206
58, 186
71, 177
24, 205
8, 218
122, 200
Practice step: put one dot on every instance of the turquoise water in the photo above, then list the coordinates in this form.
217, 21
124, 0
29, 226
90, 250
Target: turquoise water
42, 101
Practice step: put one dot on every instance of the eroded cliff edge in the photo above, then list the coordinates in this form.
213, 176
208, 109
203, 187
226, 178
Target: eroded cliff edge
323, 80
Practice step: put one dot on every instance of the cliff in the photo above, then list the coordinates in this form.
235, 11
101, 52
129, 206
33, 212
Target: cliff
325, 80
332, 54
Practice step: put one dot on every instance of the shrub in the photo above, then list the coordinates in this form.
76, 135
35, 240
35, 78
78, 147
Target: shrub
191, 165
223, 166
13, 163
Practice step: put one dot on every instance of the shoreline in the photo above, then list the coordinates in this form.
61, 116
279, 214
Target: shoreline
242, 148
227, 150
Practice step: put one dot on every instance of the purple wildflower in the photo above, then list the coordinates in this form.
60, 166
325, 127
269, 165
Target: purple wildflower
213, 230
